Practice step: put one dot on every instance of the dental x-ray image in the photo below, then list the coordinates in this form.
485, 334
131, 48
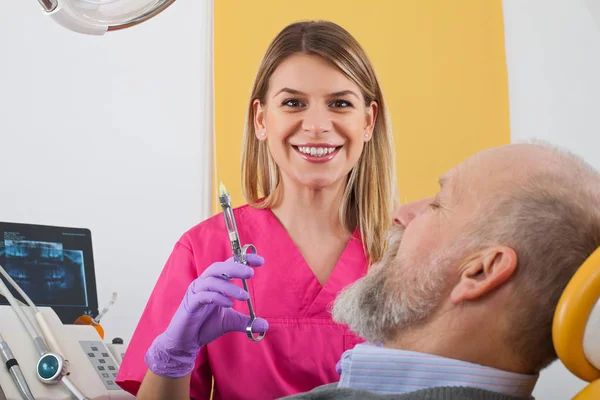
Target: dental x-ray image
49, 274
53, 265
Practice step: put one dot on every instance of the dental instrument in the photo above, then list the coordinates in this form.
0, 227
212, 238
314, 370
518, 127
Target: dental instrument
239, 253
15, 370
51, 367
95, 322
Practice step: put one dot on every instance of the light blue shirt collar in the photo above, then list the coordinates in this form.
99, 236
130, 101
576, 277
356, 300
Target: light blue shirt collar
391, 371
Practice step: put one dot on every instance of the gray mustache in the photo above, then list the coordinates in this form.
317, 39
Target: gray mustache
394, 236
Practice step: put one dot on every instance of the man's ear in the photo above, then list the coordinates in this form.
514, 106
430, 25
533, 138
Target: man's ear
484, 272
260, 128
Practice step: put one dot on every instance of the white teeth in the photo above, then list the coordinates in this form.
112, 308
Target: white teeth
316, 151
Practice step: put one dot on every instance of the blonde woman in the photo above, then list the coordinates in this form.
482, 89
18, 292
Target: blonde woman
318, 175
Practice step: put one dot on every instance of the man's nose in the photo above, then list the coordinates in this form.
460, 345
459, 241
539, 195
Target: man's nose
404, 215
316, 120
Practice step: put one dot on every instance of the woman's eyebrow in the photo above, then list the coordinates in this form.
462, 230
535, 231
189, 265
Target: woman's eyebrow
344, 93
290, 91
334, 94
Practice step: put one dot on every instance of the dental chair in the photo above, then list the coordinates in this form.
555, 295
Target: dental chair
576, 327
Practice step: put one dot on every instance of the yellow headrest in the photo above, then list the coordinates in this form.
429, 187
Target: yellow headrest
576, 325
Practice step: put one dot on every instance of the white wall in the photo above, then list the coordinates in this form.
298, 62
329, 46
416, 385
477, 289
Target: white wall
109, 133
553, 59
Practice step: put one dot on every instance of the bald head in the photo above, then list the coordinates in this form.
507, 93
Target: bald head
493, 173
490, 256
512, 176
549, 214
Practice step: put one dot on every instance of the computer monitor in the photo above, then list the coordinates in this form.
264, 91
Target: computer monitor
53, 265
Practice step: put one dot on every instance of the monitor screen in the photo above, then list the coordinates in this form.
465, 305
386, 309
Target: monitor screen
53, 265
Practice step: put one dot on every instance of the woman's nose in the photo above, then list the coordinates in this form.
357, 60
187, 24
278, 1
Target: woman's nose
316, 121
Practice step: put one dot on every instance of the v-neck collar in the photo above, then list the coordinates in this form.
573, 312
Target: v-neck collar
351, 265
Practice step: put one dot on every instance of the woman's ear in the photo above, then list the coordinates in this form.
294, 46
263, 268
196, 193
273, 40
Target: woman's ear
484, 272
260, 129
372, 111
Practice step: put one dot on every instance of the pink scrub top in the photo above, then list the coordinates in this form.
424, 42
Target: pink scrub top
301, 347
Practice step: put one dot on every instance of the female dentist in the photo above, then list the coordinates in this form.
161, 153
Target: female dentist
318, 176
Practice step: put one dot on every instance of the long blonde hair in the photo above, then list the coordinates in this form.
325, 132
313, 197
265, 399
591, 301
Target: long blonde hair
370, 193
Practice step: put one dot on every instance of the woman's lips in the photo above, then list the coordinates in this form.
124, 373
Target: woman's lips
318, 152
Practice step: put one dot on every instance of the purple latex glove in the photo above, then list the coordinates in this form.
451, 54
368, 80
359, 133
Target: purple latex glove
204, 314
338, 365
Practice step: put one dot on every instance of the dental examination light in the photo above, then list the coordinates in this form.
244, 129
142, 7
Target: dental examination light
96, 17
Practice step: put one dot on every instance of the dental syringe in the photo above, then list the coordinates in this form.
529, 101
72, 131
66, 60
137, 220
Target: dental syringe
239, 253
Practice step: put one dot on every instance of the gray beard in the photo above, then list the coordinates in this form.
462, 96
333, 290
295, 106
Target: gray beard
384, 303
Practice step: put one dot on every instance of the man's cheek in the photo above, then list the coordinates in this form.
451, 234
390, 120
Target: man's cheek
419, 246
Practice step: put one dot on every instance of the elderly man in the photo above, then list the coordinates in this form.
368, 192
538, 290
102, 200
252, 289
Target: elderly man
464, 299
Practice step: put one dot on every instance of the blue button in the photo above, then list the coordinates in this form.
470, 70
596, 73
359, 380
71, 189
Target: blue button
48, 366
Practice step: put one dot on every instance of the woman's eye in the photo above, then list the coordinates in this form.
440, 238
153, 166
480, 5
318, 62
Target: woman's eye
341, 104
434, 205
292, 103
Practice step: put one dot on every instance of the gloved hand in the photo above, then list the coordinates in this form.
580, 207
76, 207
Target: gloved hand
204, 314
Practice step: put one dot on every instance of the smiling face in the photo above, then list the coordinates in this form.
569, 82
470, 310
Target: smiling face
314, 120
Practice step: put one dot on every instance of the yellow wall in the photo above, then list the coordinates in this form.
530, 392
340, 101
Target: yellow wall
441, 65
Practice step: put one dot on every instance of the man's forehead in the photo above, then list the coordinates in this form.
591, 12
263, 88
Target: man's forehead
470, 175
455, 172
446, 181
492, 167
449, 188
452, 177
442, 180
